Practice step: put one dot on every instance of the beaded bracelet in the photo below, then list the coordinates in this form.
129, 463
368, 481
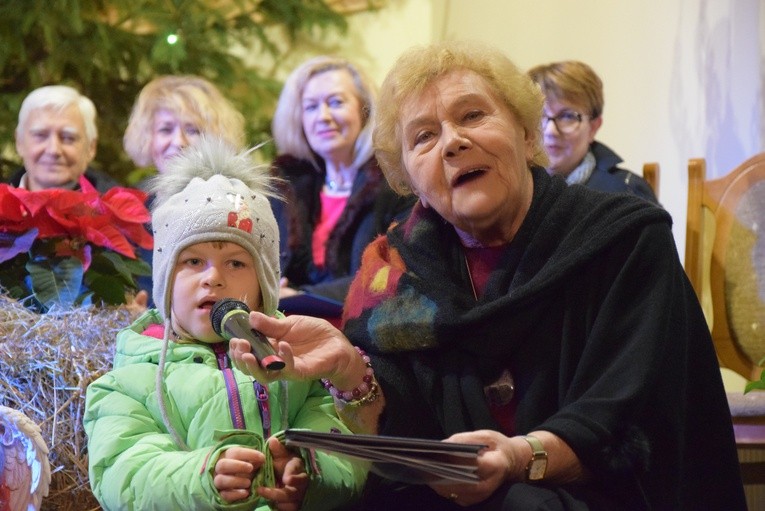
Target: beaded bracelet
367, 391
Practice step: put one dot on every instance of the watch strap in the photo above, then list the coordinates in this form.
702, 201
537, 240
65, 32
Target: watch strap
537, 466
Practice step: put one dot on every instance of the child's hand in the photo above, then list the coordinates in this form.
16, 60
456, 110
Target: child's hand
137, 304
292, 480
234, 471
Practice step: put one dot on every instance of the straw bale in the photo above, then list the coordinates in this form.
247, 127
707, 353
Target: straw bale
46, 363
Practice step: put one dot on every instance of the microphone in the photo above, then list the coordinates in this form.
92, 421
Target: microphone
230, 318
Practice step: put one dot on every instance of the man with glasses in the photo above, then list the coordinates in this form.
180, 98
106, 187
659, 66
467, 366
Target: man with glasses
572, 116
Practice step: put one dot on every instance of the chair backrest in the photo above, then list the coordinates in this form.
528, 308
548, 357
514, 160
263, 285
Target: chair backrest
725, 259
651, 172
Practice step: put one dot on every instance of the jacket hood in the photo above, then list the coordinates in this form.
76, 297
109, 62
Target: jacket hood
134, 347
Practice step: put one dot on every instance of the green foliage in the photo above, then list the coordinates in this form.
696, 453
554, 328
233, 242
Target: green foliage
756, 384
42, 280
55, 281
108, 49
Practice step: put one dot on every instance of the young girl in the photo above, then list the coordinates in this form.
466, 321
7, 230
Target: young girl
173, 425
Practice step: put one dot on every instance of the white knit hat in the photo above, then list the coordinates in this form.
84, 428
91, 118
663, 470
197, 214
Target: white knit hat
211, 193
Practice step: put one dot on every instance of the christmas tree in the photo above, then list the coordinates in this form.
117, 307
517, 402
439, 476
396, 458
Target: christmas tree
108, 49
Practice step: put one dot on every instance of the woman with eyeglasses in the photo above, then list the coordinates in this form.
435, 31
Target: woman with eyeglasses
573, 114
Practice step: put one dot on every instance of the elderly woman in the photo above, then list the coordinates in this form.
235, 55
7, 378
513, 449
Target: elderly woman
173, 112
573, 114
339, 200
512, 310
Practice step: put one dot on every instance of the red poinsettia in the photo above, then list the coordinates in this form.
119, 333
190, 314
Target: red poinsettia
48, 226
114, 220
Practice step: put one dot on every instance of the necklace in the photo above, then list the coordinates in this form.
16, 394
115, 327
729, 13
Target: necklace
334, 186
340, 181
470, 276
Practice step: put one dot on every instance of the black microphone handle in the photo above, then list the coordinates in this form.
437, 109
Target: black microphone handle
237, 324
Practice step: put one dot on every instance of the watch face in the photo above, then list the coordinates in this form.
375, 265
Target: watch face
537, 469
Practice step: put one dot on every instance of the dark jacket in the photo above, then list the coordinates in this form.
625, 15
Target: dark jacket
591, 311
608, 177
100, 180
371, 208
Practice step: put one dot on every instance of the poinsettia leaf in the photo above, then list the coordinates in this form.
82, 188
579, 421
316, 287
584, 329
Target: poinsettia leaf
12, 245
107, 289
109, 237
86, 186
84, 299
21, 210
9, 277
119, 265
61, 214
65, 248
56, 282
70, 211
49, 227
12, 211
137, 267
103, 264
139, 235
83, 249
33, 202
127, 205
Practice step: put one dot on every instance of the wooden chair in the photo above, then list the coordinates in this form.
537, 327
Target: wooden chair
651, 173
725, 262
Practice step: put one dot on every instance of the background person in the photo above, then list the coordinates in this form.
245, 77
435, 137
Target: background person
172, 425
573, 114
513, 310
171, 113
56, 137
338, 198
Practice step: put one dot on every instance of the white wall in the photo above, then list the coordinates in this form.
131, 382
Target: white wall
682, 78
374, 39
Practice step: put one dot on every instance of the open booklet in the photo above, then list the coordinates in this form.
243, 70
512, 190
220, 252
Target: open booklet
410, 460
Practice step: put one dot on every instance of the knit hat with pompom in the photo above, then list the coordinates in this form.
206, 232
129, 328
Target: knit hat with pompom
209, 192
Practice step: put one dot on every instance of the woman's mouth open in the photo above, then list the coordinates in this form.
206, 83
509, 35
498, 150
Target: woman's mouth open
468, 176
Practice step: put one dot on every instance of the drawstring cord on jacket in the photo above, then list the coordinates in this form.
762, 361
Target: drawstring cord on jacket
160, 387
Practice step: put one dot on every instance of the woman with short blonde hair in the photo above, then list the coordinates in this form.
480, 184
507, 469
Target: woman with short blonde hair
194, 102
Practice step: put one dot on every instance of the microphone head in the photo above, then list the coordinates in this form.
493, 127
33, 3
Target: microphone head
223, 307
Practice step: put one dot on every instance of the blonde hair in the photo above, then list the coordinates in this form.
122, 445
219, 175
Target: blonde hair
287, 124
420, 66
191, 98
571, 81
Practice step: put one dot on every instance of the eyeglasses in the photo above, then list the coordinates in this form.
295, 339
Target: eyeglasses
565, 122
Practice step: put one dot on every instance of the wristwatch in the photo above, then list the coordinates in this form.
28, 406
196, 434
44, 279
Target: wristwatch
535, 470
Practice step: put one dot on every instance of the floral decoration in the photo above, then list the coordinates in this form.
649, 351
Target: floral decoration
64, 248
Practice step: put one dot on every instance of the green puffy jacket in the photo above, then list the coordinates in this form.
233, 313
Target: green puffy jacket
133, 461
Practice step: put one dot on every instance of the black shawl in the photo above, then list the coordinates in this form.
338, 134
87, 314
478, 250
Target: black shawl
591, 311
